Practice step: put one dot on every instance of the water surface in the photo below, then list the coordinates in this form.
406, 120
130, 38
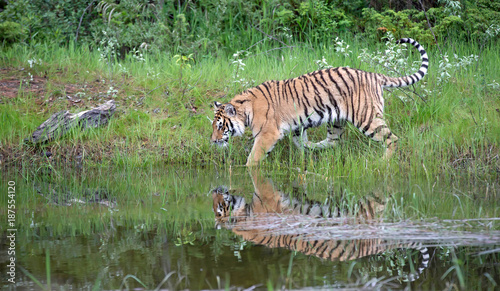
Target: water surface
149, 228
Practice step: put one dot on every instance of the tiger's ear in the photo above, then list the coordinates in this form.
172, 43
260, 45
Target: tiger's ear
230, 110
217, 105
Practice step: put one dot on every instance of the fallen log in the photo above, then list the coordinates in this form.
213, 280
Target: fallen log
63, 121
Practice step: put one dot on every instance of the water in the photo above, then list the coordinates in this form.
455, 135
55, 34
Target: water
156, 228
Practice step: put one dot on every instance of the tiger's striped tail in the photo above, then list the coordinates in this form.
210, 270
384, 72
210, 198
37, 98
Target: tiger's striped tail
411, 79
424, 252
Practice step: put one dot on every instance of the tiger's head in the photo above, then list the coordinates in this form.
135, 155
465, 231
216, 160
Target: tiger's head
226, 123
226, 206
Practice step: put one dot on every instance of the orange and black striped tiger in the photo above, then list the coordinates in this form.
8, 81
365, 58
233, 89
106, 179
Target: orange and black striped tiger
332, 96
261, 220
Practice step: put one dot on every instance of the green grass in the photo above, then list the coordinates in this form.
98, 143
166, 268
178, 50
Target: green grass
162, 119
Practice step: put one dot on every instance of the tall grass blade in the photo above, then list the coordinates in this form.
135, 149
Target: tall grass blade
125, 284
35, 280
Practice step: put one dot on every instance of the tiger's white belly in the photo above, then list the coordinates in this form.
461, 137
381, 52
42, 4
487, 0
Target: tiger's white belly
314, 120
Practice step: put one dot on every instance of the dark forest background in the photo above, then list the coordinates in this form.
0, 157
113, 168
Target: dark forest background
202, 27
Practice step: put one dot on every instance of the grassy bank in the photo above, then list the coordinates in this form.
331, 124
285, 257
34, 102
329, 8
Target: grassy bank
448, 123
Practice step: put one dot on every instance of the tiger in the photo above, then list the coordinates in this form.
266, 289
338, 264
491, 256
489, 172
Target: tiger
269, 206
333, 96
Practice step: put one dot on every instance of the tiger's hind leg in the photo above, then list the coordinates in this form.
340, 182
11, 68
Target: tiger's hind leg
335, 131
379, 131
300, 139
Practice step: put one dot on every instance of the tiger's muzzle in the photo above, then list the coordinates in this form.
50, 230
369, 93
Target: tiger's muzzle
220, 137
220, 142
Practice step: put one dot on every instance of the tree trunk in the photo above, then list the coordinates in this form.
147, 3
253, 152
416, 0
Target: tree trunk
62, 122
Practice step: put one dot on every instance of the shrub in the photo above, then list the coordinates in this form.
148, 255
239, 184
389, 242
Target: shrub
53, 21
206, 26
11, 32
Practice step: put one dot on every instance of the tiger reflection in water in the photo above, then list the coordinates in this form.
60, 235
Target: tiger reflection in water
267, 205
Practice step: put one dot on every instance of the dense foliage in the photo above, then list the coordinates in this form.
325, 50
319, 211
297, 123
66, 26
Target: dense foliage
208, 25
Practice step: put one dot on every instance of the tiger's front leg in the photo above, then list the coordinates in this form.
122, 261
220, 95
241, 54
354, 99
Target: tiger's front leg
262, 145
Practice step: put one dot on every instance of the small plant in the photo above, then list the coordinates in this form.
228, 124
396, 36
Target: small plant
184, 62
322, 64
32, 62
238, 247
285, 33
341, 47
451, 7
492, 31
185, 237
152, 74
239, 65
494, 85
447, 67
112, 92
389, 61
122, 69
137, 55
107, 49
